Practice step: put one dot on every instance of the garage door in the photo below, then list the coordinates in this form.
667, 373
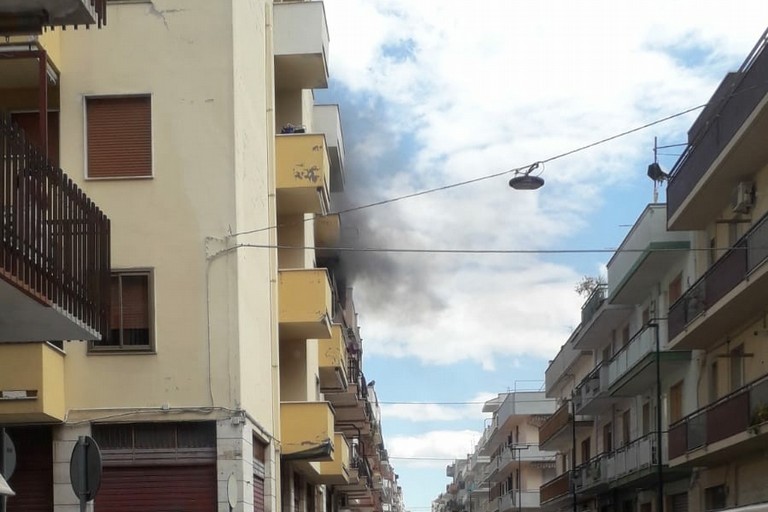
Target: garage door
157, 489
33, 479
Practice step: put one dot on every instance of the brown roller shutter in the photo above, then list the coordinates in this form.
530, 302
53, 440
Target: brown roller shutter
259, 463
679, 502
33, 479
157, 489
119, 132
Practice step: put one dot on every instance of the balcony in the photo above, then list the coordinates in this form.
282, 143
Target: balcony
519, 500
730, 292
31, 16
300, 45
557, 488
727, 145
560, 366
556, 433
332, 361
327, 232
54, 252
598, 319
302, 174
336, 471
306, 431
326, 119
513, 455
304, 303
591, 395
352, 407
633, 369
633, 465
645, 256
725, 429
31, 383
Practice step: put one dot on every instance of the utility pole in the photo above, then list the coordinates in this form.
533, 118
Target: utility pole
659, 434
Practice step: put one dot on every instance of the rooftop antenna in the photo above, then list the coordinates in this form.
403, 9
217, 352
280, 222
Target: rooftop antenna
654, 170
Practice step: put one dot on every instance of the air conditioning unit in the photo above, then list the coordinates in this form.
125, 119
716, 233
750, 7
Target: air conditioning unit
742, 197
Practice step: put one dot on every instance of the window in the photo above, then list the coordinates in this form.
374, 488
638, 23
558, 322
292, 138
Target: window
608, 438
714, 391
646, 418
130, 317
646, 315
625, 335
119, 137
585, 449
737, 367
675, 288
676, 402
714, 498
625, 428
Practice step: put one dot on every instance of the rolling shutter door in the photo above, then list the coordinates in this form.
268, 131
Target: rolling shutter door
157, 489
259, 460
33, 479
679, 502
119, 132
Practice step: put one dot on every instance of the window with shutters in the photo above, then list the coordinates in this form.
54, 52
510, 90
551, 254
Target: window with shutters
676, 402
130, 313
119, 137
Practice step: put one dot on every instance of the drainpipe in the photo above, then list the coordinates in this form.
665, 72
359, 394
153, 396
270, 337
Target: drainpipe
659, 456
573, 451
42, 97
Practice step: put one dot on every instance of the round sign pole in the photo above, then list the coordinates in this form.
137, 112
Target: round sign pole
85, 470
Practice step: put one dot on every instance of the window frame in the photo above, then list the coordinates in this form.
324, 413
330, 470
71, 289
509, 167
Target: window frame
150, 348
152, 130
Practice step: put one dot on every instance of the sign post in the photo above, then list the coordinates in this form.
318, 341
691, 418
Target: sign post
85, 470
7, 466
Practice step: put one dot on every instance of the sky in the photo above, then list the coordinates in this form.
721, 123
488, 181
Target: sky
437, 92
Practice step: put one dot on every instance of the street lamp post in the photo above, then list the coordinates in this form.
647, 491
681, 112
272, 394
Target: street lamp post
518, 449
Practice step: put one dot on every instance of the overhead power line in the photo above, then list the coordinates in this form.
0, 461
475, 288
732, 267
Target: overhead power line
406, 250
487, 176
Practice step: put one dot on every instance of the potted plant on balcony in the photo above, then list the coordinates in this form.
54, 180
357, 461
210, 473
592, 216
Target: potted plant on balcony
759, 416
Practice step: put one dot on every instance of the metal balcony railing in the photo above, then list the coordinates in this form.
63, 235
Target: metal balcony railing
593, 303
723, 276
54, 241
720, 125
640, 345
555, 488
555, 423
737, 412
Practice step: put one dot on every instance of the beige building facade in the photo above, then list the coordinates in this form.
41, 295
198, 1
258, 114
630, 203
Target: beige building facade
231, 370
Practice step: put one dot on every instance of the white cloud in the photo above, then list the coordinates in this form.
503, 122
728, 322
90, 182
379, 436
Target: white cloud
480, 88
436, 448
472, 409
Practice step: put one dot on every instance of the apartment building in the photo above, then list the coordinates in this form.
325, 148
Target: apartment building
620, 382
214, 364
719, 188
518, 466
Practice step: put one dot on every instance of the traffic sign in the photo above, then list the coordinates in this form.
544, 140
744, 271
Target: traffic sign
85, 469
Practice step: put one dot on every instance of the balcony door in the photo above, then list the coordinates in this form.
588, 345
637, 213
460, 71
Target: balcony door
30, 123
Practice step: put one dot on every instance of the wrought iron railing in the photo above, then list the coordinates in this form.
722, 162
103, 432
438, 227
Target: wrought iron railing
723, 276
721, 125
54, 241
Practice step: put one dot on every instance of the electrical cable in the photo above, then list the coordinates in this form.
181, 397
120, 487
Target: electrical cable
485, 177
482, 251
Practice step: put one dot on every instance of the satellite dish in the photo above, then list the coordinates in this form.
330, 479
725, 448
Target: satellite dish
655, 172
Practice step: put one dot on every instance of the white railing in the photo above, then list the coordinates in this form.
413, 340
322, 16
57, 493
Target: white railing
515, 500
642, 344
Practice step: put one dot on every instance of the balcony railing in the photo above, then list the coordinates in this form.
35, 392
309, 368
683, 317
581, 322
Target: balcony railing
54, 241
639, 346
593, 303
591, 387
642, 453
723, 276
722, 124
555, 488
555, 423
516, 500
733, 414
